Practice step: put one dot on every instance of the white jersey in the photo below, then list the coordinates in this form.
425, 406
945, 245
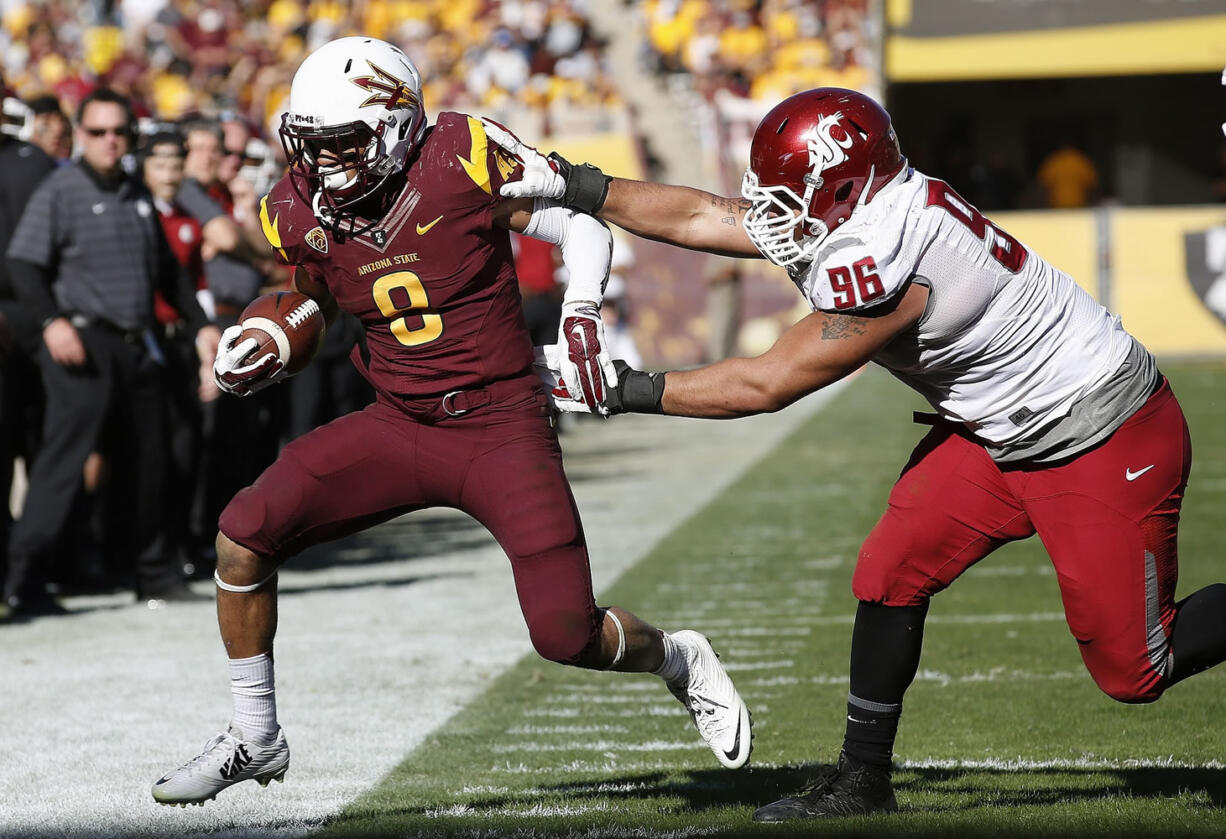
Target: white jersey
1007, 344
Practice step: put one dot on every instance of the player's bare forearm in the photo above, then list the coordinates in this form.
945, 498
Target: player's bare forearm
680, 215
817, 351
739, 387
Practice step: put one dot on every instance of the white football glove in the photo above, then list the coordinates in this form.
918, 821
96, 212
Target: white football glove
233, 376
546, 367
583, 356
541, 178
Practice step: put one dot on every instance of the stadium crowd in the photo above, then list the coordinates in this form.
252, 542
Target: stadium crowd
764, 51
178, 57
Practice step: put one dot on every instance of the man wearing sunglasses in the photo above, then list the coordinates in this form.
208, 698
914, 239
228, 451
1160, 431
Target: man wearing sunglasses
85, 259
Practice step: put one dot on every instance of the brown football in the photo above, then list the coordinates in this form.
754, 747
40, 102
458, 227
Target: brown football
287, 323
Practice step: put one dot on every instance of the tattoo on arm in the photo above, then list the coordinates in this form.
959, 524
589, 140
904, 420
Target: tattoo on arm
841, 326
731, 205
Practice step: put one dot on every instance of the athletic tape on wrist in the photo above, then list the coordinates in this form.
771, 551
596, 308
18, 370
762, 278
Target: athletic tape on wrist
621, 640
222, 584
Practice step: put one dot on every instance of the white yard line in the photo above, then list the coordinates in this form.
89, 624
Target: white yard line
1020, 764
382, 639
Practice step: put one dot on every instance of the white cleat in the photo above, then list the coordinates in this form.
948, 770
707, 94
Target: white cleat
227, 759
713, 702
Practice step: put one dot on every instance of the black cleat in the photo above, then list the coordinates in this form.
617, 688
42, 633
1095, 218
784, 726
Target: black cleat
848, 789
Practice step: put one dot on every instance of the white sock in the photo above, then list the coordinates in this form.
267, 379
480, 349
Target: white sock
674, 669
255, 701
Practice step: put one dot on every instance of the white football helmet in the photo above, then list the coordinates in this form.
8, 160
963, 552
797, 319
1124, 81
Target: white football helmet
355, 115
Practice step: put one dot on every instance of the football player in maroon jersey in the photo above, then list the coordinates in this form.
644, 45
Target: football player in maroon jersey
1050, 418
402, 225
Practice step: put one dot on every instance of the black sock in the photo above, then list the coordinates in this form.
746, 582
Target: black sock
1198, 640
885, 653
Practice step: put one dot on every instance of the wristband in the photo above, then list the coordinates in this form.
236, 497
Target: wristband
586, 186
636, 392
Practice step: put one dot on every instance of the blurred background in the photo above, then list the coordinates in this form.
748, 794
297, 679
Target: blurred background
1091, 109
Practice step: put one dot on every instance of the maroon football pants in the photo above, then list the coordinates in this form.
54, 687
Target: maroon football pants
1108, 519
500, 463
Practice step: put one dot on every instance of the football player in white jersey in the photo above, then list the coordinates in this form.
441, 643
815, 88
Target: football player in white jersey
1049, 417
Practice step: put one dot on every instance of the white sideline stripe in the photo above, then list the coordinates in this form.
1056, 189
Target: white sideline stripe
545, 810
1025, 617
849, 619
1021, 764
741, 666
608, 765
599, 746
996, 674
607, 699
532, 730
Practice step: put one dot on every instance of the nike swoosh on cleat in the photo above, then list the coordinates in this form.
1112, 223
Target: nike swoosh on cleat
422, 229
735, 751
1129, 475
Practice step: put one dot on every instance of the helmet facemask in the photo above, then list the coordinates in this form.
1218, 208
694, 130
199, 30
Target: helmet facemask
339, 169
773, 221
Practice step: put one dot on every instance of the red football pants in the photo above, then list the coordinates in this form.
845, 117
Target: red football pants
1108, 518
500, 464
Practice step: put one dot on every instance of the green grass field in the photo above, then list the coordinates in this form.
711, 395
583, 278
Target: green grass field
1004, 734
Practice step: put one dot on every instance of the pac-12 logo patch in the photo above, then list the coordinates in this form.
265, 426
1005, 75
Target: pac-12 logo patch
317, 239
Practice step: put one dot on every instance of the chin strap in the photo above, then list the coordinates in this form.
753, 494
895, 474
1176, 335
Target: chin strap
224, 586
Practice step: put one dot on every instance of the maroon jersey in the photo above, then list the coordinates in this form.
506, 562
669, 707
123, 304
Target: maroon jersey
434, 282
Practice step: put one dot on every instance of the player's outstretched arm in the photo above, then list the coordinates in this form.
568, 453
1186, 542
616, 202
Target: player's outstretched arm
817, 351
678, 215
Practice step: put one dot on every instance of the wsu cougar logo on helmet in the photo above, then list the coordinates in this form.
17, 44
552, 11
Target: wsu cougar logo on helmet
385, 89
825, 149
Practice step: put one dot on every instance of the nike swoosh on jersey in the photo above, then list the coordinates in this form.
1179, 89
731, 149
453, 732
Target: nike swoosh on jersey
422, 229
1129, 475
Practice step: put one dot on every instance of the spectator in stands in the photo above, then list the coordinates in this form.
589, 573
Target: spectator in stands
1068, 177
85, 259
22, 168
723, 311
242, 436
190, 386
50, 130
535, 265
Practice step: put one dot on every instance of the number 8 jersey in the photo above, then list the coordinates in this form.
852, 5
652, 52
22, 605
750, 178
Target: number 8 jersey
1008, 346
434, 282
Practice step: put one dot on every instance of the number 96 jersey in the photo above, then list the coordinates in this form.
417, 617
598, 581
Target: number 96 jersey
434, 282
1007, 344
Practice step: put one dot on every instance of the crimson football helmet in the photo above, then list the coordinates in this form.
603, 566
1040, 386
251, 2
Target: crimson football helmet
815, 158
355, 115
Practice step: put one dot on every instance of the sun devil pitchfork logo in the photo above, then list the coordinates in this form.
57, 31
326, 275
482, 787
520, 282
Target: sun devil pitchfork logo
385, 89
828, 143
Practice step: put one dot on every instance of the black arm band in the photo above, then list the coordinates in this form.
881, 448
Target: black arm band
586, 186
636, 392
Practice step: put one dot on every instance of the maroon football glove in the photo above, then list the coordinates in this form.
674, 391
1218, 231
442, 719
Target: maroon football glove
586, 367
